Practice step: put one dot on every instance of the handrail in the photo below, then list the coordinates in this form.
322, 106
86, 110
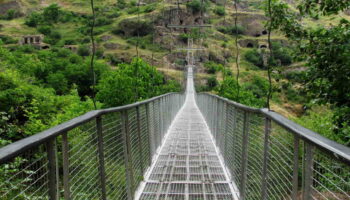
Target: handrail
22, 145
329, 145
90, 155
271, 157
315, 138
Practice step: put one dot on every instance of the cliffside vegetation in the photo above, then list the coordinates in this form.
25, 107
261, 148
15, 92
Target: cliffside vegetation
41, 88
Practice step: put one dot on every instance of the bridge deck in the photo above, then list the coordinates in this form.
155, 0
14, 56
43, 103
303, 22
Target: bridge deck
188, 166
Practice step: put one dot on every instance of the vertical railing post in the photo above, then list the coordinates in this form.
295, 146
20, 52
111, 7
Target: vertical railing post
139, 137
101, 158
65, 160
308, 171
296, 168
127, 155
245, 140
265, 159
52, 169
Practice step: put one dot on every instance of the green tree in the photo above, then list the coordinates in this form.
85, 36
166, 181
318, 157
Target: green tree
51, 13
34, 19
135, 80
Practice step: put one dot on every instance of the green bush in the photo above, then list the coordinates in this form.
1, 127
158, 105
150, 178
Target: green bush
34, 19
254, 57
220, 10
11, 14
149, 8
258, 86
135, 80
197, 6
51, 13
212, 82
212, 67
45, 29
7, 39
232, 30
228, 88
121, 4
132, 10
83, 50
282, 54
195, 34
101, 21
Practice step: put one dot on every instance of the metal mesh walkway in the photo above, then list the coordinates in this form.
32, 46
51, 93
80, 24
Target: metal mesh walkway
188, 165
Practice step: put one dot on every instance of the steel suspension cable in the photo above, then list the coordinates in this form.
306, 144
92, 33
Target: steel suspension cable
237, 50
271, 53
92, 69
137, 52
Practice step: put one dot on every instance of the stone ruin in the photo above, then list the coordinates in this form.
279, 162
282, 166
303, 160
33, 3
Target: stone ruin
35, 40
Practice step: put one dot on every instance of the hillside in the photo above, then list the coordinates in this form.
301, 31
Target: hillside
122, 34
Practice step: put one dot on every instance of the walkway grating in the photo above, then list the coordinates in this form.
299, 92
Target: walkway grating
188, 166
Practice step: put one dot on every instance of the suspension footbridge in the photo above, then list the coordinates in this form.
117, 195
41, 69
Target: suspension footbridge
176, 146
188, 164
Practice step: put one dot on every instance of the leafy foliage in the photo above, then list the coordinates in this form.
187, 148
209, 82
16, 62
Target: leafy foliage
220, 10
228, 89
197, 6
325, 50
254, 57
137, 78
232, 30
212, 67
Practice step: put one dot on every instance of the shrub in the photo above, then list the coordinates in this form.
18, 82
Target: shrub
258, 86
132, 10
254, 57
11, 14
7, 39
133, 3
197, 6
70, 42
51, 13
45, 29
121, 4
220, 10
149, 8
212, 82
101, 21
83, 50
232, 30
212, 67
282, 53
33, 20
114, 60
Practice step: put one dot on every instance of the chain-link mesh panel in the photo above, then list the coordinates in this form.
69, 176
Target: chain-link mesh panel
25, 177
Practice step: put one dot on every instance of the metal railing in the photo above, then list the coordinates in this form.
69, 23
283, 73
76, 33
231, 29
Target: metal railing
270, 157
100, 155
